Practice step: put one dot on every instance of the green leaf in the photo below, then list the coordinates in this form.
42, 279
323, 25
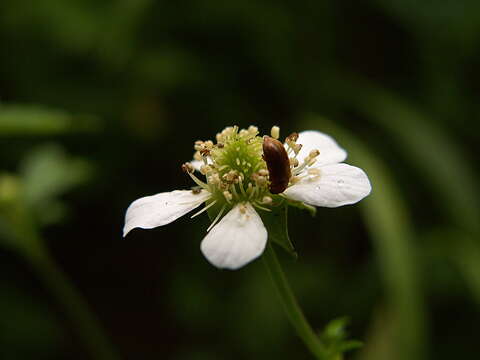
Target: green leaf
16, 231
334, 336
335, 329
276, 223
38, 120
47, 173
388, 221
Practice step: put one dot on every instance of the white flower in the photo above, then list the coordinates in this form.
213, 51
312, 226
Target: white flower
238, 180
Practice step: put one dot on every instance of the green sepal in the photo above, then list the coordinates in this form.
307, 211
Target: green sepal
277, 227
302, 206
334, 336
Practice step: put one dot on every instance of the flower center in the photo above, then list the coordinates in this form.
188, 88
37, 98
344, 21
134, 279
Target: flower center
236, 170
233, 166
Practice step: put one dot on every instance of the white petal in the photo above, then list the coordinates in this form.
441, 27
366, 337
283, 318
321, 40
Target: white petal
330, 151
197, 164
161, 209
236, 240
337, 185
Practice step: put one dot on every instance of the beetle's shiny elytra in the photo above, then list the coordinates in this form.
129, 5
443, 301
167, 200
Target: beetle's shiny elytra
278, 164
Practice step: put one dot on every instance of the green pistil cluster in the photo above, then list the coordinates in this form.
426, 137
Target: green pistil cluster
233, 166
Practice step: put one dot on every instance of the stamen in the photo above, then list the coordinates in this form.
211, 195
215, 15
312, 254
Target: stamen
228, 196
297, 148
257, 166
199, 182
187, 167
197, 156
240, 185
249, 189
308, 161
261, 207
218, 217
204, 209
275, 132
267, 200
253, 192
293, 137
236, 158
234, 191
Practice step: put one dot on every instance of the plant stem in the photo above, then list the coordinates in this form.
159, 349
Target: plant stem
291, 307
77, 310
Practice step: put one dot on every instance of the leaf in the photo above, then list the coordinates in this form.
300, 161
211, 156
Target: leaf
335, 329
16, 231
276, 223
47, 173
38, 120
391, 230
334, 336
434, 153
430, 148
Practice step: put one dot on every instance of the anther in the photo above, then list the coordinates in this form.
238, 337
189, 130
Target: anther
205, 152
228, 195
196, 190
275, 132
187, 168
293, 137
208, 144
296, 148
267, 200
243, 133
253, 130
197, 156
205, 169
314, 153
294, 179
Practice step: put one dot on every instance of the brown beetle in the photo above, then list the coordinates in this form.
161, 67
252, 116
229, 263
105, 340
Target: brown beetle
278, 164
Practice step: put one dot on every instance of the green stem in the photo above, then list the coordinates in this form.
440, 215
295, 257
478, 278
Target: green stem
77, 310
291, 307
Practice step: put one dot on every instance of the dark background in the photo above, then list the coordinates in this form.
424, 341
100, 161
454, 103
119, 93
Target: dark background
123, 88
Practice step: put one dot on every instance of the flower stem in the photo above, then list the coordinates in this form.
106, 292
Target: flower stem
76, 309
291, 307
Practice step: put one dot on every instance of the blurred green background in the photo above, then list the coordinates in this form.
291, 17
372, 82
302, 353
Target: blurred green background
101, 103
